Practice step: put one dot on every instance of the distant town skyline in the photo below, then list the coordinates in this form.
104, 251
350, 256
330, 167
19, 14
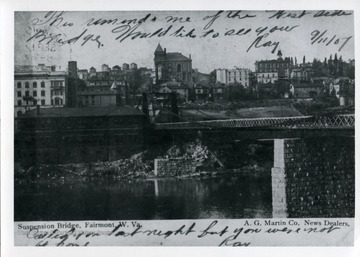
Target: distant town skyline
96, 38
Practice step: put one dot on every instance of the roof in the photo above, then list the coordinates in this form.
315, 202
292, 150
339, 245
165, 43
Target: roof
62, 112
159, 49
286, 59
307, 85
94, 93
264, 85
173, 85
41, 74
176, 57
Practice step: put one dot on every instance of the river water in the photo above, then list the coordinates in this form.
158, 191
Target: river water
203, 198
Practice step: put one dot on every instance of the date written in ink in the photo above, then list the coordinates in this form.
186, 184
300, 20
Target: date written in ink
323, 37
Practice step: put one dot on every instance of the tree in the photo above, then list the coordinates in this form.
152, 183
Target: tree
213, 77
135, 83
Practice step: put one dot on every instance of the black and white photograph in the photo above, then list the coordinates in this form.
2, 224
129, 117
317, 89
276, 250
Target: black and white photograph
144, 127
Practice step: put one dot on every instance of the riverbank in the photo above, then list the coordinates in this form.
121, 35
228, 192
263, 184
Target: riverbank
121, 170
202, 161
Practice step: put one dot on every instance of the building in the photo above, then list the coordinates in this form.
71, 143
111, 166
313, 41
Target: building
102, 92
270, 71
202, 92
133, 66
300, 74
199, 77
173, 86
83, 74
105, 67
217, 91
306, 90
39, 86
116, 68
72, 69
344, 89
34, 68
92, 72
233, 76
74, 135
99, 84
172, 66
126, 66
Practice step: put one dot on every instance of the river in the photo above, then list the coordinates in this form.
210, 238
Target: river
202, 198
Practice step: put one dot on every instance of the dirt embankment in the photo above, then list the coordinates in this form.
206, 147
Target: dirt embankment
138, 166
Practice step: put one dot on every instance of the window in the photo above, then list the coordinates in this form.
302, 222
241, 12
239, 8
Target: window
19, 84
34, 93
42, 84
43, 102
34, 84
35, 102
42, 93
19, 103
27, 93
27, 84
19, 113
179, 68
56, 85
19, 93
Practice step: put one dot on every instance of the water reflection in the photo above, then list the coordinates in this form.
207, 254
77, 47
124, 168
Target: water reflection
205, 198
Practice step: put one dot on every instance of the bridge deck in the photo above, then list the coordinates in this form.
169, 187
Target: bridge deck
345, 121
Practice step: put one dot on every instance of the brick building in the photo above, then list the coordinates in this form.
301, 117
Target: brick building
74, 135
172, 66
270, 71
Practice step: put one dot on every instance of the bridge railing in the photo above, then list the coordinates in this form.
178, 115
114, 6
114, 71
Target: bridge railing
345, 121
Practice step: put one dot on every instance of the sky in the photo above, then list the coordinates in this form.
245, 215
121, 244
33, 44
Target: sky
214, 39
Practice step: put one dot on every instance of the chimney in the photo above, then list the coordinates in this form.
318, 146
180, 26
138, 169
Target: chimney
37, 110
190, 56
164, 50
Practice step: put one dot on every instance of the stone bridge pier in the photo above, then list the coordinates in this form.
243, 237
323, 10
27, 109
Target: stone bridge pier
313, 177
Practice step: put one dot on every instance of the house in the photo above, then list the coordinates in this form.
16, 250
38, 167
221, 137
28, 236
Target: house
202, 92
306, 90
300, 74
173, 86
344, 89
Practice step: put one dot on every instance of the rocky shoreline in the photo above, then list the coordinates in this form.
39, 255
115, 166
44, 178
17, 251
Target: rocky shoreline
139, 166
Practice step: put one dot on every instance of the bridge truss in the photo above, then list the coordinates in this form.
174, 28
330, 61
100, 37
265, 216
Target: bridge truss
344, 121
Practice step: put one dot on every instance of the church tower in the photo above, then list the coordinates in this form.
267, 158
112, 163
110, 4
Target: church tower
159, 60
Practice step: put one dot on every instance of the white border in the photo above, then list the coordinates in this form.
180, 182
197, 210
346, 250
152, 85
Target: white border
6, 72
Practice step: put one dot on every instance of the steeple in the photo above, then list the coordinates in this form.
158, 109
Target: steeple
159, 49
